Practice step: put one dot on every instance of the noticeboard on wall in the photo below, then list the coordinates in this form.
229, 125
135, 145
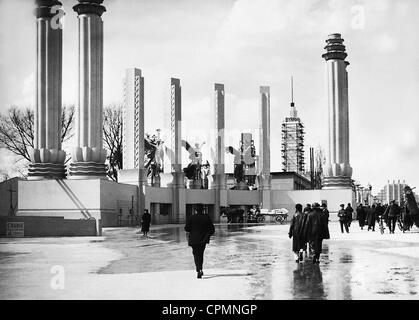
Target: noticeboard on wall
15, 229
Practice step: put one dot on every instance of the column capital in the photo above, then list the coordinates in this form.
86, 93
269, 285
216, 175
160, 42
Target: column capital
89, 7
335, 48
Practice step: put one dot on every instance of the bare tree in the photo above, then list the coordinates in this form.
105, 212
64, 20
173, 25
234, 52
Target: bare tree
112, 136
320, 161
17, 129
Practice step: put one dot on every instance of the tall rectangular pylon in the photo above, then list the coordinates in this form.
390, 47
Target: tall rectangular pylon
219, 147
133, 120
264, 148
178, 205
219, 178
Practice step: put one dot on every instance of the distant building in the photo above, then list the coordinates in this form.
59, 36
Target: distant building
392, 191
293, 141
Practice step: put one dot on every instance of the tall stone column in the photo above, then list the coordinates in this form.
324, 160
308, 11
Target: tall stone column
338, 171
178, 207
89, 155
219, 177
47, 158
265, 147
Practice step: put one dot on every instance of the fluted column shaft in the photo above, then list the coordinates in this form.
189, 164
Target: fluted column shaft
338, 172
47, 156
89, 155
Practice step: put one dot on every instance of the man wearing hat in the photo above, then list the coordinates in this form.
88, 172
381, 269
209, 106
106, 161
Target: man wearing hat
342, 218
317, 230
199, 228
392, 212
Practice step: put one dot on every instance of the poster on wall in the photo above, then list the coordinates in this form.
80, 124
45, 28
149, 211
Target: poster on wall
15, 229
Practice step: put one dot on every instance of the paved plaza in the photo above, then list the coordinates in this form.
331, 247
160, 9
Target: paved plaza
241, 262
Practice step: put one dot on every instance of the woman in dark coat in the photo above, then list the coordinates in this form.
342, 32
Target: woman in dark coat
145, 222
371, 218
361, 213
297, 230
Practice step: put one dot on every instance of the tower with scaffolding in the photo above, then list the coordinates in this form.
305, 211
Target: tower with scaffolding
293, 140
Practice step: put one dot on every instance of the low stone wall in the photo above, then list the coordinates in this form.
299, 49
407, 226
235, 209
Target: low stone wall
51, 226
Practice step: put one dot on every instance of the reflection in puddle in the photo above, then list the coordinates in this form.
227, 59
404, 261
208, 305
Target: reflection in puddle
308, 282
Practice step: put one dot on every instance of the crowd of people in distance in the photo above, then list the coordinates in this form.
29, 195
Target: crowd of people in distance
368, 216
309, 227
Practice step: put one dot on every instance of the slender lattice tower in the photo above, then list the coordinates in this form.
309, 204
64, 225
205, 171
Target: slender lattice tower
293, 140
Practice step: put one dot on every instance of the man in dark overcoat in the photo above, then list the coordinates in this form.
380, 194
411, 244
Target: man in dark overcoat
145, 222
296, 232
361, 214
199, 228
392, 213
317, 230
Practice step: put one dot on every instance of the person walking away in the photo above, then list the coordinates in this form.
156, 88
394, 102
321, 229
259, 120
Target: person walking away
199, 228
145, 222
371, 217
306, 211
342, 219
393, 211
316, 230
361, 215
326, 215
349, 214
296, 232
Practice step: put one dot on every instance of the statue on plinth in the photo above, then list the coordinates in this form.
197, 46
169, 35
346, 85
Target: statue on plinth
154, 154
194, 171
244, 162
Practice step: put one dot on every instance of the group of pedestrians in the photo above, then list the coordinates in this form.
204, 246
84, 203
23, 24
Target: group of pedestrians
370, 215
345, 216
309, 227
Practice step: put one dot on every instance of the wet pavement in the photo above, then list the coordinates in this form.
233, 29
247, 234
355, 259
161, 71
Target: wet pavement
243, 262
349, 268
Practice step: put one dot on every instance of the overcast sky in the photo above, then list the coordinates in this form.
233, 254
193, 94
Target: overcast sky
244, 44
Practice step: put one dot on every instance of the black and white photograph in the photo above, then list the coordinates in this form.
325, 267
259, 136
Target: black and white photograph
220, 152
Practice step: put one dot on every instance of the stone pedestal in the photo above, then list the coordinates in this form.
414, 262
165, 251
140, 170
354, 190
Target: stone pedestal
338, 171
47, 158
242, 185
89, 155
194, 184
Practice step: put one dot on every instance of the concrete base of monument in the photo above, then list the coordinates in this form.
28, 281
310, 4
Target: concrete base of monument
338, 182
49, 226
333, 198
39, 171
132, 176
102, 200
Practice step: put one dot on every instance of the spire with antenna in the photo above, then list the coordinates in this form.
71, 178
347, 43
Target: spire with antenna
292, 92
293, 112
